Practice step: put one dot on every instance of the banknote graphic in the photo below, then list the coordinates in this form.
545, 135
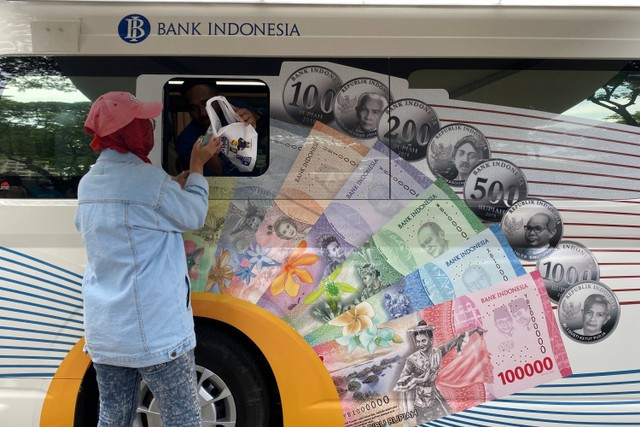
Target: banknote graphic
251, 200
483, 260
201, 245
326, 161
379, 188
422, 231
446, 358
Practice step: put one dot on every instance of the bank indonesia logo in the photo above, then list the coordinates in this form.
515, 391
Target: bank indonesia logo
134, 28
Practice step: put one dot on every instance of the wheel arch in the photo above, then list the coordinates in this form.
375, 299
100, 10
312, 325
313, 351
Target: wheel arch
307, 393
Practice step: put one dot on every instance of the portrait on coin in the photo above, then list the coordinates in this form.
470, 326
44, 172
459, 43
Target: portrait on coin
369, 109
467, 153
595, 313
538, 233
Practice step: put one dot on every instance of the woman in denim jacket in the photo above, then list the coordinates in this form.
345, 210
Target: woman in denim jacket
137, 313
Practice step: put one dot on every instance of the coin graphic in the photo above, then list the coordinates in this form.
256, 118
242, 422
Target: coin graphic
309, 94
359, 106
569, 264
407, 126
533, 228
493, 186
455, 150
588, 312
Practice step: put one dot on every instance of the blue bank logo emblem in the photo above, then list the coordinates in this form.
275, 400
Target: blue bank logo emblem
134, 28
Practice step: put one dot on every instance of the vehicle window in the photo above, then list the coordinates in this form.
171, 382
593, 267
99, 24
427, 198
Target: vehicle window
245, 149
43, 148
571, 127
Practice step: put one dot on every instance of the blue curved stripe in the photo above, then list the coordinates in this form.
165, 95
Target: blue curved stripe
541, 420
502, 423
589, 384
31, 357
2, 337
64, 270
605, 373
40, 279
15, 347
541, 411
442, 420
39, 270
35, 322
590, 403
595, 393
29, 375
42, 297
33, 304
35, 331
50, 316
32, 286
28, 366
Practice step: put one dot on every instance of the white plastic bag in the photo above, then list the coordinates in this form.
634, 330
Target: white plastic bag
239, 141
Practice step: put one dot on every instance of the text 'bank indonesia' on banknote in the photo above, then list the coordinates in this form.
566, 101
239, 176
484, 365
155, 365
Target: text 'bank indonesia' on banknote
326, 161
252, 198
449, 357
378, 189
483, 260
426, 228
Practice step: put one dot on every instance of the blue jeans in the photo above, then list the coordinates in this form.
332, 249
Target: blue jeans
173, 384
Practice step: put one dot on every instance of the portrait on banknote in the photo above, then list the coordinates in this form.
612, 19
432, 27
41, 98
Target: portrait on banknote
332, 252
432, 239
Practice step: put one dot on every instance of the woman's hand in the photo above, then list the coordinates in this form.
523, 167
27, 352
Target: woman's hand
201, 154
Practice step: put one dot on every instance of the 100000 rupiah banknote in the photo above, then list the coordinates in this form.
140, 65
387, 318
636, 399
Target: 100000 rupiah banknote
449, 357
483, 260
426, 228
379, 188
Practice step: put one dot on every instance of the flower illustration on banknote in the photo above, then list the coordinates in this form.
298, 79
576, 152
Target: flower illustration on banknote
360, 330
332, 291
193, 258
291, 270
259, 257
374, 337
244, 273
221, 273
355, 319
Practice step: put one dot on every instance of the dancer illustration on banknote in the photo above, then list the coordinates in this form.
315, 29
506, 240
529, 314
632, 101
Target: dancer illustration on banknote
417, 381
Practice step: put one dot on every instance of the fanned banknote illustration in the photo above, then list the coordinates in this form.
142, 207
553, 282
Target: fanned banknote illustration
426, 228
446, 358
252, 198
482, 261
326, 161
201, 245
375, 192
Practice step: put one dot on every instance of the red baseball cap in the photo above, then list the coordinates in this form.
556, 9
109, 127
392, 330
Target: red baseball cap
114, 110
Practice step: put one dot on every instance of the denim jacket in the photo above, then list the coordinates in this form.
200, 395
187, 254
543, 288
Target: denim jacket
136, 287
